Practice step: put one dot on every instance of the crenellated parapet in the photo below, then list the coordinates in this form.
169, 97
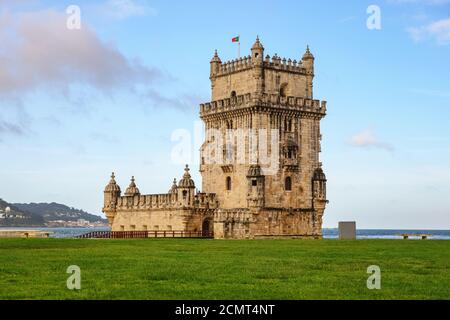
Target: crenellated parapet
283, 64
275, 101
165, 201
275, 63
235, 65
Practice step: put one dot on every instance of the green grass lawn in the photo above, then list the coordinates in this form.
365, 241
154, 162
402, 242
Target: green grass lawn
224, 269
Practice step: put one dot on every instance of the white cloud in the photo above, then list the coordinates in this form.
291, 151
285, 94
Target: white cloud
122, 9
38, 51
438, 30
368, 139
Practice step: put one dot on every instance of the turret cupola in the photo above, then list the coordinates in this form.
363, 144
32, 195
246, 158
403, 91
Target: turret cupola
173, 189
112, 186
308, 61
319, 175
257, 51
308, 55
186, 181
186, 189
111, 195
132, 190
215, 64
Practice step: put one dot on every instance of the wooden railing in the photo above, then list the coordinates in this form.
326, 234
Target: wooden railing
145, 234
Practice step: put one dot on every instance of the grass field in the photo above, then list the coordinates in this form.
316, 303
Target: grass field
222, 269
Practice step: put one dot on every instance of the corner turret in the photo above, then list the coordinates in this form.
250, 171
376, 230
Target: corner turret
257, 52
308, 60
110, 195
308, 64
255, 193
215, 64
186, 188
258, 63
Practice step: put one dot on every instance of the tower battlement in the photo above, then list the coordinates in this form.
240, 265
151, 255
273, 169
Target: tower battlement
276, 101
257, 74
274, 62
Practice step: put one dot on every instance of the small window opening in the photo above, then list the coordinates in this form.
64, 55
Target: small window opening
228, 183
288, 184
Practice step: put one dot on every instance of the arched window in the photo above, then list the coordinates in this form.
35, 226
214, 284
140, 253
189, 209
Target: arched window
228, 183
185, 194
288, 184
233, 94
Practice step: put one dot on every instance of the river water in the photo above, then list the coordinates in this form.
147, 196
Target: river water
327, 233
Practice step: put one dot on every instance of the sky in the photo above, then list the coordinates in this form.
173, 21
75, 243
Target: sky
77, 104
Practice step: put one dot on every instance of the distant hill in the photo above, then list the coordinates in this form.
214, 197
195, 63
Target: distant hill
12, 216
56, 211
46, 214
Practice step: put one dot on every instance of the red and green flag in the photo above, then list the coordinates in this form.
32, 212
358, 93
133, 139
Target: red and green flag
235, 39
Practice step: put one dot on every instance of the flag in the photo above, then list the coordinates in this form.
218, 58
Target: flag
235, 39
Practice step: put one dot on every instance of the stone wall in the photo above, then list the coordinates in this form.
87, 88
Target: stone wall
265, 223
170, 219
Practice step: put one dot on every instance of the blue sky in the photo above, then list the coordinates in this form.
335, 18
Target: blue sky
78, 104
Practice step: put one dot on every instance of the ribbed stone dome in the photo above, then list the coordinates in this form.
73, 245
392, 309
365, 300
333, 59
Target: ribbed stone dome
186, 181
308, 54
112, 186
173, 189
132, 190
257, 44
319, 175
216, 58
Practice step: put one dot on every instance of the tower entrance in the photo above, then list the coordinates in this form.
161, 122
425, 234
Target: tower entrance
207, 227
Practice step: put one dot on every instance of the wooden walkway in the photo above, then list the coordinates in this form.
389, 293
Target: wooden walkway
145, 234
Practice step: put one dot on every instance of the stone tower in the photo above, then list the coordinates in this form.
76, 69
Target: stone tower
262, 177
262, 143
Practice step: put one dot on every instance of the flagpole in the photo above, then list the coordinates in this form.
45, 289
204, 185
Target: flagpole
239, 48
